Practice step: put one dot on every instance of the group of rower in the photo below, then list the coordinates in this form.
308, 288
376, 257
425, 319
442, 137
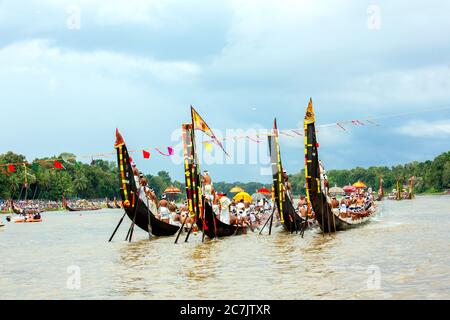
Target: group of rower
354, 205
163, 209
247, 213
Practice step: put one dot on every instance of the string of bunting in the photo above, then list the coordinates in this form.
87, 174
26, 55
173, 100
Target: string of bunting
147, 152
8, 168
208, 144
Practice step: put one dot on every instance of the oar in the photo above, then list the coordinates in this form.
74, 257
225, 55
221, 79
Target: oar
179, 232
270, 217
118, 225
149, 227
189, 232
131, 230
273, 212
271, 222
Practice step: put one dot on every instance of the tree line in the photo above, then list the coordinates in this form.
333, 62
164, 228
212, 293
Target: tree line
99, 179
432, 176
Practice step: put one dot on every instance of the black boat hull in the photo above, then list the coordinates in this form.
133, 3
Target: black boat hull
214, 228
68, 208
158, 228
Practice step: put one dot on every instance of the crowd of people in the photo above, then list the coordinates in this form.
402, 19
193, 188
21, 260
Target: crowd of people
49, 205
42, 205
229, 211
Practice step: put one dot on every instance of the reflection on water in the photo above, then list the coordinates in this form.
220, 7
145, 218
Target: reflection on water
401, 254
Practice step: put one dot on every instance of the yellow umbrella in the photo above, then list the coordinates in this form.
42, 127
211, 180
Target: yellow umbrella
243, 195
359, 185
237, 190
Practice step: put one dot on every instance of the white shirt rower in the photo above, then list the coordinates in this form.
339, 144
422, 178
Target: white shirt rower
225, 209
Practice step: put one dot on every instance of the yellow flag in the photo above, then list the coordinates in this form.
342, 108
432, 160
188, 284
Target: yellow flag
208, 147
200, 124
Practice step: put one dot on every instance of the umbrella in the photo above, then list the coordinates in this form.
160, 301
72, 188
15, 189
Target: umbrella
349, 189
337, 190
264, 191
243, 195
359, 185
172, 190
237, 190
258, 196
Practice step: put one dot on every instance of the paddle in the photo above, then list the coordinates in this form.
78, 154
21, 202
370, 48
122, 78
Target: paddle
131, 230
181, 229
189, 232
118, 225
270, 217
271, 223
149, 227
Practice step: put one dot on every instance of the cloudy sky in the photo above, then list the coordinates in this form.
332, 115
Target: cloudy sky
73, 71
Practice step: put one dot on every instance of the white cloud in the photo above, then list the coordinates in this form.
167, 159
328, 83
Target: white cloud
420, 128
40, 57
113, 12
427, 85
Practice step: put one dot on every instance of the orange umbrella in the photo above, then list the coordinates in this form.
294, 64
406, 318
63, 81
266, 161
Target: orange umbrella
359, 185
172, 190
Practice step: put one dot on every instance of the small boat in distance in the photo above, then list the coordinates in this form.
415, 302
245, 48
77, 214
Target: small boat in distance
78, 208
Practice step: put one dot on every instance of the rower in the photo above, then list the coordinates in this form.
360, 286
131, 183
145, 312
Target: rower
164, 212
135, 173
240, 212
287, 185
303, 207
334, 203
184, 214
207, 185
174, 213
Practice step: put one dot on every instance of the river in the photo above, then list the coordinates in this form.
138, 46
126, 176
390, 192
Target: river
403, 253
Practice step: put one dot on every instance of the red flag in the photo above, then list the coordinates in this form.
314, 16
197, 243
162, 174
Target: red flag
58, 165
146, 154
11, 168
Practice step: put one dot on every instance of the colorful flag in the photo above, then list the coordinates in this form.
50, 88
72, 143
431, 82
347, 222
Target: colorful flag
208, 147
200, 124
146, 154
57, 164
170, 152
